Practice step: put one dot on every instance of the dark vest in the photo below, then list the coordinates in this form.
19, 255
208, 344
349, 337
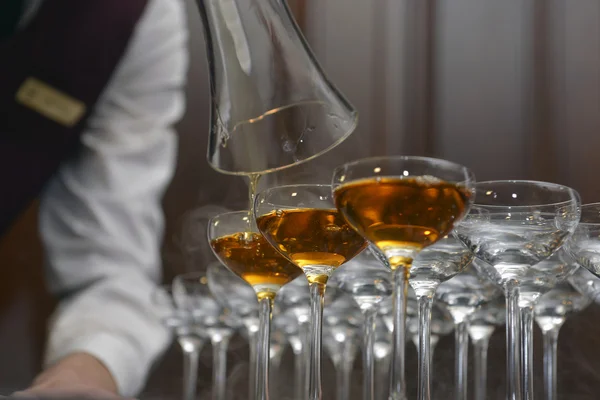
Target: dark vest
51, 76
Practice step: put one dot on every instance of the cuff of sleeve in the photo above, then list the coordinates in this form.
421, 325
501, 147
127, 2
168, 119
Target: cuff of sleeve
122, 359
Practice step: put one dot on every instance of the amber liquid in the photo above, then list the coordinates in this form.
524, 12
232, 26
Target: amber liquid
396, 213
311, 238
252, 258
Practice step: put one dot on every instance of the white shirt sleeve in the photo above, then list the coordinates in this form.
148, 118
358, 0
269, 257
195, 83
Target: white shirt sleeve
101, 219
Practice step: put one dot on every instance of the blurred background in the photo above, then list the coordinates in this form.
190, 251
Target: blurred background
510, 89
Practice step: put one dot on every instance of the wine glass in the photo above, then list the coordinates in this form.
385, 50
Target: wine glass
191, 293
551, 312
462, 295
247, 254
341, 327
441, 324
382, 352
516, 225
367, 281
236, 295
587, 283
293, 317
190, 338
301, 222
432, 266
402, 205
277, 347
584, 245
482, 325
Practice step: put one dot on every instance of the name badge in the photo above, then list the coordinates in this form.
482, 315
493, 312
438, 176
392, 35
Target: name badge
50, 102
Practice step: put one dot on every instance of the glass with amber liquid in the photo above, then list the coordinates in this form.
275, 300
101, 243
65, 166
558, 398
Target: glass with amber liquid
246, 253
302, 223
402, 205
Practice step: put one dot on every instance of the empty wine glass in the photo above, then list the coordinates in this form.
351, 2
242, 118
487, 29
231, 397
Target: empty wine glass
557, 268
191, 293
518, 224
584, 245
551, 312
401, 205
247, 254
293, 317
462, 295
382, 352
341, 338
482, 325
190, 338
433, 266
301, 222
368, 282
236, 295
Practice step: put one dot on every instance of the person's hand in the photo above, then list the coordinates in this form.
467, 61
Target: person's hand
78, 376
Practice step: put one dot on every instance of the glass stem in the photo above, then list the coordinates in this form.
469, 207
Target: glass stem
433, 341
550, 358
220, 344
305, 332
425, 306
191, 355
513, 343
397, 377
317, 297
299, 350
347, 364
265, 309
252, 332
382, 377
368, 354
480, 347
527, 334
461, 342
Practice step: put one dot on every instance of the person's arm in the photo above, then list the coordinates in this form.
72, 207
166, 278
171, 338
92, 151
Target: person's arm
101, 218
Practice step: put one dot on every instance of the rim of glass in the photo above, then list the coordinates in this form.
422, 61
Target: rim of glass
199, 274
295, 185
332, 146
470, 174
555, 204
228, 213
213, 219
264, 193
587, 206
300, 185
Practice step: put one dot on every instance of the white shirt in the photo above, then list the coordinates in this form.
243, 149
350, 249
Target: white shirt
101, 219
